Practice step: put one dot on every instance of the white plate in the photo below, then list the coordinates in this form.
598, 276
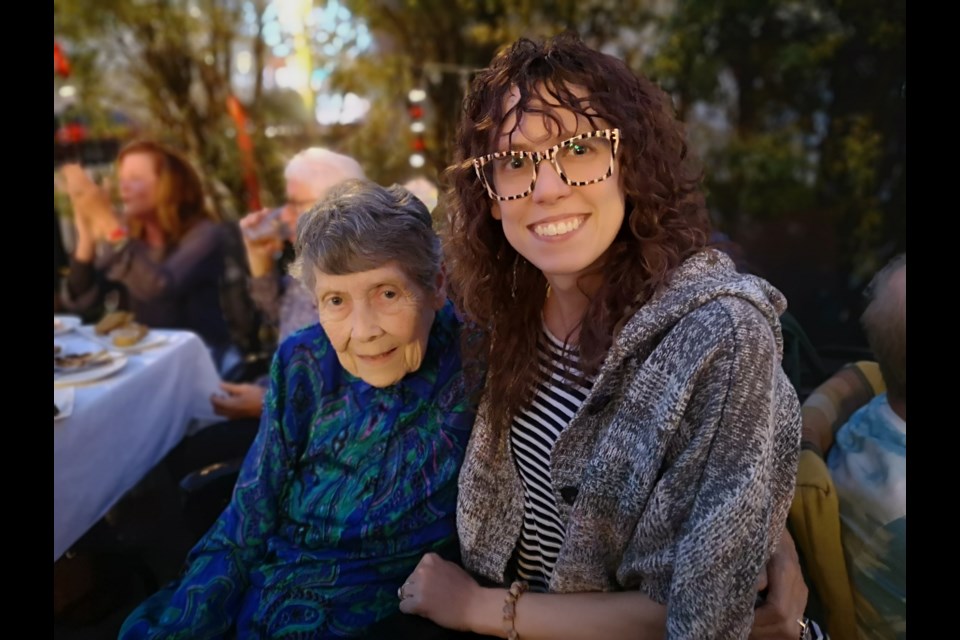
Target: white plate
97, 373
64, 324
63, 400
152, 339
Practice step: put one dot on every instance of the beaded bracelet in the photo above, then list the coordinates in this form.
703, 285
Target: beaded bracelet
510, 609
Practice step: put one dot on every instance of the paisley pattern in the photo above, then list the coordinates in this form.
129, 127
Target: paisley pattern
344, 489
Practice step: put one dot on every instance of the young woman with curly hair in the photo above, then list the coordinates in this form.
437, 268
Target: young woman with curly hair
635, 450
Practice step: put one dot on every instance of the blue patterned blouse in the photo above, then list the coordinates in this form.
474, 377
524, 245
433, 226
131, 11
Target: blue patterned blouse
344, 489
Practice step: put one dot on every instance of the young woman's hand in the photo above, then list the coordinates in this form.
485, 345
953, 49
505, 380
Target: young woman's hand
441, 591
778, 617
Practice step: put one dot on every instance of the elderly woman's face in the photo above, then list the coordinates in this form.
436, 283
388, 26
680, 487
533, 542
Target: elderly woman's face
378, 321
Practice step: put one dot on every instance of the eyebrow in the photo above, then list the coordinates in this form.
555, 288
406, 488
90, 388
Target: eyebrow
522, 146
383, 283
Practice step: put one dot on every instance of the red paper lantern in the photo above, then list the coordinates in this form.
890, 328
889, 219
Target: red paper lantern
61, 66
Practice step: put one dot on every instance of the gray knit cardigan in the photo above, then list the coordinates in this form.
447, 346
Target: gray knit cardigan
676, 474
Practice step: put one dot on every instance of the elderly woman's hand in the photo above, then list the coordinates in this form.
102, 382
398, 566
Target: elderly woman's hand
240, 401
441, 591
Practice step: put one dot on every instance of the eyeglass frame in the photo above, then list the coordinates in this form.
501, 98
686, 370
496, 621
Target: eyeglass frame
612, 134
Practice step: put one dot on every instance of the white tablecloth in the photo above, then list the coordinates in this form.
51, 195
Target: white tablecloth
123, 425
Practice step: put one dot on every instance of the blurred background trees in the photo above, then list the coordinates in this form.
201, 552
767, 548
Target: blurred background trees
797, 107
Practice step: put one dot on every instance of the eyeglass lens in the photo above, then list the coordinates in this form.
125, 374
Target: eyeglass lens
582, 160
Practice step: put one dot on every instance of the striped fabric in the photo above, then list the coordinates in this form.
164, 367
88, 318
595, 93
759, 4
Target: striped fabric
814, 632
560, 392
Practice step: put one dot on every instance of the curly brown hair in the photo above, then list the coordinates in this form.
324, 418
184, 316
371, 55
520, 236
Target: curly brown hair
665, 221
180, 199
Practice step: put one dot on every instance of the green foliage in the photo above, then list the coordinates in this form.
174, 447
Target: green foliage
166, 64
811, 93
762, 175
438, 45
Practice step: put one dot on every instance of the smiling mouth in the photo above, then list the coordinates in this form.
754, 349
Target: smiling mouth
556, 228
377, 358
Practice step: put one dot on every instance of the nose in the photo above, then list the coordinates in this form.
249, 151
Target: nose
365, 325
549, 186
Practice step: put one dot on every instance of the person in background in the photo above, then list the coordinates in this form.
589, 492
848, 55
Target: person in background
635, 452
286, 306
60, 262
353, 474
868, 463
165, 252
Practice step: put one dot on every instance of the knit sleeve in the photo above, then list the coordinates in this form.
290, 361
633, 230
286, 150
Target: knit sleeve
747, 454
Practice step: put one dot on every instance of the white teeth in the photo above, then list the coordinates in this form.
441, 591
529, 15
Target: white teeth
558, 228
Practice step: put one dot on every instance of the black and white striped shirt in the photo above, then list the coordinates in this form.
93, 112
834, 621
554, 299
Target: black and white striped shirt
561, 389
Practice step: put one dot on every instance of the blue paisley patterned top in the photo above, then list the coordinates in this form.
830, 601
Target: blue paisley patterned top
344, 489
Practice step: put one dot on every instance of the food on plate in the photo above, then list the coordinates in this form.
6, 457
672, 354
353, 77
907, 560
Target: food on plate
122, 327
113, 320
129, 334
74, 361
57, 324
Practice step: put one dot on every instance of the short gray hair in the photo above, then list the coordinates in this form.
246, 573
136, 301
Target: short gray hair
360, 226
885, 323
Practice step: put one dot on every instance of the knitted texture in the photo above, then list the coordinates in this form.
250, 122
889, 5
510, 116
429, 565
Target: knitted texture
676, 474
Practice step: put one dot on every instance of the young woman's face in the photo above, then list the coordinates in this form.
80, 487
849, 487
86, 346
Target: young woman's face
137, 183
378, 321
560, 229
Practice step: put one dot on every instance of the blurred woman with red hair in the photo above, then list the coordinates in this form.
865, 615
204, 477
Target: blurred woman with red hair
165, 252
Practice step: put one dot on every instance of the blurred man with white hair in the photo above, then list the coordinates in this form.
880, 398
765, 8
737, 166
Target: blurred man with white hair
267, 237
868, 463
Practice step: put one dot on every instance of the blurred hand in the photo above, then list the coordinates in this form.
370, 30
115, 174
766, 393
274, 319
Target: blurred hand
75, 180
441, 591
262, 241
786, 601
239, 401
91, 204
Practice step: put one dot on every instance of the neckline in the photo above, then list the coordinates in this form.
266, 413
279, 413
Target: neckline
555, 341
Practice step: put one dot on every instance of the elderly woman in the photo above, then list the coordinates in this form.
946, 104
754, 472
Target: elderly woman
353, 473
285, 304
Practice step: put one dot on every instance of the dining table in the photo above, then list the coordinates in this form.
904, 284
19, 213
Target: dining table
116, 421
